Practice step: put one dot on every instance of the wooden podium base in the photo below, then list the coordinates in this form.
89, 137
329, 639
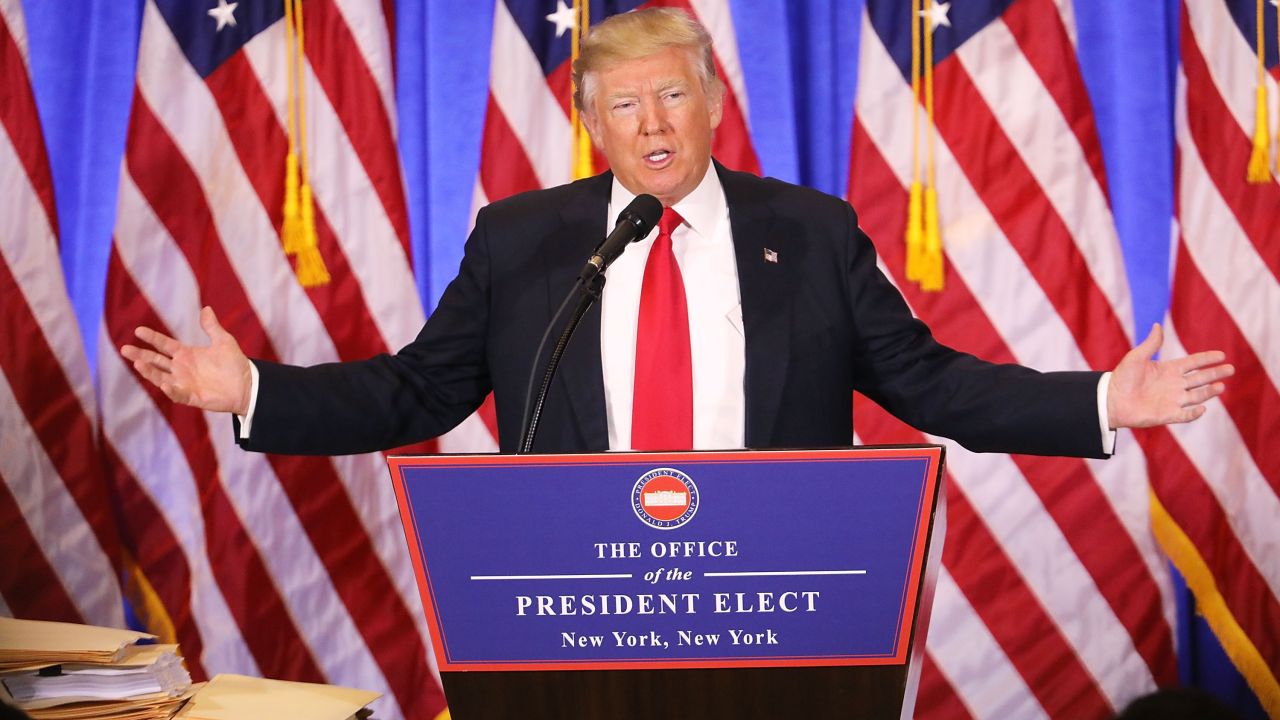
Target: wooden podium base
813, 693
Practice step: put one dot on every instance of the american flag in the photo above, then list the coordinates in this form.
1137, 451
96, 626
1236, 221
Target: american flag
528, 138
286, 567
1217, 482
1053, 599
62, 555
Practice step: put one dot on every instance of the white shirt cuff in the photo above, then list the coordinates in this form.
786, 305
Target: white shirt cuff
1108, 435
246, 420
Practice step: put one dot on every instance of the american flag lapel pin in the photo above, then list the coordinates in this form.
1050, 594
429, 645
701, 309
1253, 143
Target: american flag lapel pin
771, 256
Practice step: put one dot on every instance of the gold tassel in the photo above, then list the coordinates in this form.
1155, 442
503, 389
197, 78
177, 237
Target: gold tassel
291, 226
915, 232
931, 271
931, 260
915, 205
583, 162
311, 269
299, 234
1259, 161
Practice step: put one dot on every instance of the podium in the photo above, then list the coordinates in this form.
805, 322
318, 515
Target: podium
702, 584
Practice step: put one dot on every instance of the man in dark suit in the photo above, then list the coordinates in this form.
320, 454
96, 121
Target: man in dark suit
772, 311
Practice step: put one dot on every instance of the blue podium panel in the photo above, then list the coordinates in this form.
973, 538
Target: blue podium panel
618, 561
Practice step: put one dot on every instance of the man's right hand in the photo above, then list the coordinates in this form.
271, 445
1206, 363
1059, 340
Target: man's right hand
215, 377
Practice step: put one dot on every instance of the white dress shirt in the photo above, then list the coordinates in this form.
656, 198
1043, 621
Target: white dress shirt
703, 247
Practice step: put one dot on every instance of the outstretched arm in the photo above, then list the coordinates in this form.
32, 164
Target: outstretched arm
1146, 392
214, 377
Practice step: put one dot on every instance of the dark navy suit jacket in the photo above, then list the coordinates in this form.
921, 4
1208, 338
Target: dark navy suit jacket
820, 323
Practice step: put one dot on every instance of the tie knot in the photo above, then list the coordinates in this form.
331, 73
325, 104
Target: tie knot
669, 222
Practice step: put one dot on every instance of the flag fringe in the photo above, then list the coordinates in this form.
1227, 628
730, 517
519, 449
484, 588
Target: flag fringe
1243, 653
146, 602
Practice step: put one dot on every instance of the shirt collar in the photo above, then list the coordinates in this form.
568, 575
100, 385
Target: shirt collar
701, 209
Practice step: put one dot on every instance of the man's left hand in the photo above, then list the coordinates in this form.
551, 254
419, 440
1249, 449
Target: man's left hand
1144, 392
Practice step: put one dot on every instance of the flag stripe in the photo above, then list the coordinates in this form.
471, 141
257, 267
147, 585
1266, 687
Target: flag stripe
19, 118
518, 87
153, 477
1229, 266
1043, 38
181, 199
1243, 588
992, 583
371, 28
1231, 60
247, 585
60, 523
43, 396
1228, 473
716, 17
938, 697
160, 557
201, 214
1078, 506
354, 92
1219, 478
968, 657
1016, 94
29, 583
1067, 491
1030, 224
145, 440
1020, 104
259, 142
504, 168
1224, 148
177, 194
1257, 412
363, 230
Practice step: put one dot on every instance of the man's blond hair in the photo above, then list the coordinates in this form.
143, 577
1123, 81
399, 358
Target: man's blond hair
638, 34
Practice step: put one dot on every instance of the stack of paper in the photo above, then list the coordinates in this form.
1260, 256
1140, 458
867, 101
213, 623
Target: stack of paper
62, 671
236, 697
27, 643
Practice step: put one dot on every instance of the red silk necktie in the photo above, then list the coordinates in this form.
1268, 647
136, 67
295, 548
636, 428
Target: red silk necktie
662, 411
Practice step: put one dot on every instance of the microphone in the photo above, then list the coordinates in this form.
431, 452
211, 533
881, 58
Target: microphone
634, 223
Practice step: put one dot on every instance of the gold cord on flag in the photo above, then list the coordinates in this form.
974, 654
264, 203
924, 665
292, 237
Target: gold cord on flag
931, 257
1259, 172
298, 229
583, 165
923, 236
915, 206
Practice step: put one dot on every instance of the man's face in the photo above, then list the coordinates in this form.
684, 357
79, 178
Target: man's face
652, 119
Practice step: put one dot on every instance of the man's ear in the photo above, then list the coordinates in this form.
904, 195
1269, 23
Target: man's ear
591, 122
715, 104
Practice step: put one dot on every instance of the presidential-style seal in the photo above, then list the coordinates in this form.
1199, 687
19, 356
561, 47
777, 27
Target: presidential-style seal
664, 498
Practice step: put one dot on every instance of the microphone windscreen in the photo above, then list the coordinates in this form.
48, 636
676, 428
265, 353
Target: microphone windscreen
646, 211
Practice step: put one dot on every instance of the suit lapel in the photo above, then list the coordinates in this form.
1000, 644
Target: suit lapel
767, 291
580, 377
